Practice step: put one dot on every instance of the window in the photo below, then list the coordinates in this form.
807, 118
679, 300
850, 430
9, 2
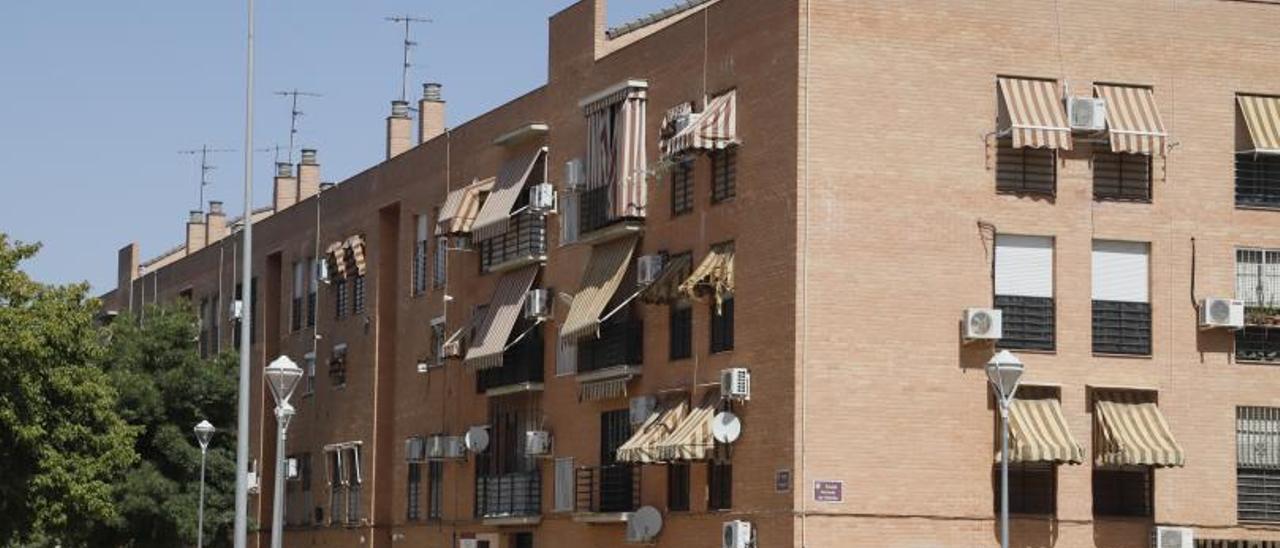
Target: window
340, 298
680, 330
1121, 176
437, 341
1257, 180
1258, 286
420, 243
724, 174
564, 495
205, 324
237, 308
311, 292
1025, 170
678, 487
682, 188
1024, 291
719, 485
309, 365
299, 284
337, 461
253, 310
570, 204
354, 480
413, 510
1033, 488
441, 271
1258, 464
338, 365
1121, 304
357, 294
522, 540
435, 486
1122, 492
722, 325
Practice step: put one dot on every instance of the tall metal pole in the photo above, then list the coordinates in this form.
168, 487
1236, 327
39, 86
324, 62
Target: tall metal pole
200, 520
283, 413
1004, 472
242, 415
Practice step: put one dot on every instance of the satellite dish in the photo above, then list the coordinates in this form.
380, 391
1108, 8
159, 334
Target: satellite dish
476, 439
726, 427
644, 524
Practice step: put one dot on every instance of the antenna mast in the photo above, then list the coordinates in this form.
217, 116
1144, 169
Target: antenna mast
294, 114
205, 167
408, 45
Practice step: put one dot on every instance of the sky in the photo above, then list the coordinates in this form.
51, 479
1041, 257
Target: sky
97, 99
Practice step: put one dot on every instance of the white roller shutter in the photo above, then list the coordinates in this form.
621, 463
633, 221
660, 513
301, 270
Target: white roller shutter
564, 494
1120, 271
1024, 266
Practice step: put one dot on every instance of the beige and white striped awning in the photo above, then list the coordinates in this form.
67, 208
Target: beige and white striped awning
716, 127
1131, 432
1262, 116
491, 221
1038, 433
1133, 120
461, 207
500, 317
642, 446
337, 259
1031, 113
714, 273
691, 439
355, 245
667, 287
605, 270
608, 389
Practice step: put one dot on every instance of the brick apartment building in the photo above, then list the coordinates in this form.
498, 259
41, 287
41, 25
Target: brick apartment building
814, 191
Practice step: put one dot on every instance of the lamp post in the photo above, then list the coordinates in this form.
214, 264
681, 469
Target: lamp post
204, 431
1004, 371
282, 376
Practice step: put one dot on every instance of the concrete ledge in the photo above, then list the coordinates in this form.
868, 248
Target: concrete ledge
512, 521
601, 517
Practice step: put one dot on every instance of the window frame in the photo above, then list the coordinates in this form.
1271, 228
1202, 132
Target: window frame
1123, 184
724, 174
682, 187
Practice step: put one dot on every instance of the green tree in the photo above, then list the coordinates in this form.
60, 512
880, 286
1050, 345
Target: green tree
63, 446
166, 388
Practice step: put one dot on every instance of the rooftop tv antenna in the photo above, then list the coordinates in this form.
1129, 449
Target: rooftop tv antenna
294, 114
408, 20
205, 167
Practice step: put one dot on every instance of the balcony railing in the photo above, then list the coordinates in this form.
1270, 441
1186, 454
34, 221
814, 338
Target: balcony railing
521, 364
509, 495
1257, 180
620, 343
595, 213
607, 489
1258, 344
525, 238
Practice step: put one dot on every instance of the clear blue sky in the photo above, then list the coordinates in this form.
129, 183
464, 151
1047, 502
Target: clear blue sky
97, 98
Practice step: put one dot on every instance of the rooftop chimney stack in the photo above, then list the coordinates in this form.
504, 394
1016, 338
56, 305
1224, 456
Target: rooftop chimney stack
126, 272
430, 113
195, 231
215, 223
286, 191
399, 129
308, 175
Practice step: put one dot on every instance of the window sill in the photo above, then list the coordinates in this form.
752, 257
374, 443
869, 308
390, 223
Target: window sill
722, 351
1129, 201
730, 199
1257, 362
1274, 208
1123, 356
1041, 351
1259, 525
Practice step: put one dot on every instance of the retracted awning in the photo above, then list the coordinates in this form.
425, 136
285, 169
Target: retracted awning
1031, 113
607, 389
667, 287
461, 207
500, 317
714, 273
491, 221
1038, 433
715, 128
642, 446
1262, 117
1130, 432
1133, 120
691, 439
604, 273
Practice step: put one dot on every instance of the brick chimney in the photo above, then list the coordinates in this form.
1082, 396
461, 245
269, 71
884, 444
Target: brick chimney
215, 223
399, 129
286, 192
126, 272
195, 231
430, 113
308, 175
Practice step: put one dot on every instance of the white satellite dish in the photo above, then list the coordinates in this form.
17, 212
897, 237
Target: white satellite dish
644, 524
476, 439
726, 427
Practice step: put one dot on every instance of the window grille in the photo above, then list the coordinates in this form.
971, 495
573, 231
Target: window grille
682, 188
1121, 177
1025, 170
1257, 180
1122, 492
724, 174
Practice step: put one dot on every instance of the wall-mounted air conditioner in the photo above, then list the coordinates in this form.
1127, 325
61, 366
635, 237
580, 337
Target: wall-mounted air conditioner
542, 198
983, 324
1224, 313
1087, 113
454, 448
451, 349
1172, 537
237, 310
537, 305
735, 383
737, 534
291, 470
648, 268
252, 477
574, 175
537, 443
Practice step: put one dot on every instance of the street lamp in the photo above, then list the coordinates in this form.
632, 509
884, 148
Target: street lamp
282, 376
204, 431
1004, 370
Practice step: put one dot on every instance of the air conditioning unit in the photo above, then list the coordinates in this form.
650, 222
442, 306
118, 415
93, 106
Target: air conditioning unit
537, 443
291, 472
735, 383
737, 534
1172, 537
322, 271
537, 305
642, 407
542, 198
468, 543
251, 479
454, 448
1226, 313
415, 449
1087, 113
574, 175
648, 268
983, 324
237, 309
451, 349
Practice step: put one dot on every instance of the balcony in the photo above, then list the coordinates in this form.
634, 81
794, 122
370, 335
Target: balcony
604, 494
522, 367
1258, 343
514, 498
524, 243
620, 346
596, 222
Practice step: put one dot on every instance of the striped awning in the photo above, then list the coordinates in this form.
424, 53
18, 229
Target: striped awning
1130, 432
667, 287
499, 319
1038, 433
337, 259
491, 221
715, 128
461, 207
604, 273
1031, 112
355, 245
608, 389
1262, 116
714, 273
691, 439
642, 446
1133, 120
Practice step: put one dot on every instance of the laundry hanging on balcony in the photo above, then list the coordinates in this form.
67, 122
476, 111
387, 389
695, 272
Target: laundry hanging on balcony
715, 128
491, 221
616, 158
1031, 113
500, 319
461, 207
714, 275
604, 273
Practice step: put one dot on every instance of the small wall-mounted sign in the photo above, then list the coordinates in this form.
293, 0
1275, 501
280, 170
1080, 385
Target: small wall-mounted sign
782, 481
828, 491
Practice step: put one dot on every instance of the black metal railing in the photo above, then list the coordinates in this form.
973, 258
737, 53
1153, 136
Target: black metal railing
609, 488
621, 342
1257, 180
525, 237
1258, 344
521, 363
593, 210
509, 495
